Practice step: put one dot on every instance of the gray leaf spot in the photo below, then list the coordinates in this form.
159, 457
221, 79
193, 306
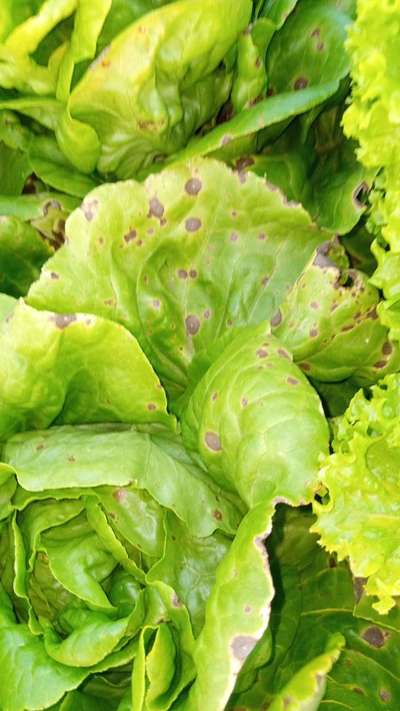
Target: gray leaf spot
213, 441
192, 325
193, 186
242, 645
89, 208
63, 320
156, 209
193, 224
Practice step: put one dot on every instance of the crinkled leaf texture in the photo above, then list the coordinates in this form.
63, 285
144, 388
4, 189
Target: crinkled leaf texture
256, 421
372, 119
329, 322
180, 260
158, 82
359, 520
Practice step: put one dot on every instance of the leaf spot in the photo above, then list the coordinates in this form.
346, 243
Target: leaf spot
213, 441
192, 224
242, 645
375, 637
193, 186
192, 325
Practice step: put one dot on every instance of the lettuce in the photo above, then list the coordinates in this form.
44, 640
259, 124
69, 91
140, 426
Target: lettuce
199, 371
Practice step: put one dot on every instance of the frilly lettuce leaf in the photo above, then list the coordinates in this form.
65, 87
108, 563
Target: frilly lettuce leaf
195, 251
143, 119
329, 322
358, 519
250, 417
73, 367
372, 119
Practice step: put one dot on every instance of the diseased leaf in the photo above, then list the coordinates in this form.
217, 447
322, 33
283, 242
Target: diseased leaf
256, 422
195, 251
72, 367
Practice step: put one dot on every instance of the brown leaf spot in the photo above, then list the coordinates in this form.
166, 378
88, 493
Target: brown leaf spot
71, 459
358, 690
54, 275
265, 281
248, 609
51, 205
314, 305
380, 364
244, 402
385, 696
262, 353
305, 366
287, 701
243, 163
193, 274
234, 237
39, 446
300, 83
387, 348
217, 515
373, 314
63, 320
277, 319
283, 353
192, 325
131, 235
89, 208
292, 381
213, 441
151, 406
242, 645
207, 314
225, 140
214, 396
358, 586
182, 274
320, 46
313, 332
262, 236
156, 209
156, 303
120, 495
193, 186
193, 224
176, 601
316, 32
375, 637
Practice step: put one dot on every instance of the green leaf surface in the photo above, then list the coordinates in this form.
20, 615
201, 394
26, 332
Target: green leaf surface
237, 613
180, 260
329, 322
72, 367
63, 457
22, 254
250, 418
315, 32
138, 120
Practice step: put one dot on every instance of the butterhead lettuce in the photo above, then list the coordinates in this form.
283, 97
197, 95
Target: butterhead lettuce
199, 357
